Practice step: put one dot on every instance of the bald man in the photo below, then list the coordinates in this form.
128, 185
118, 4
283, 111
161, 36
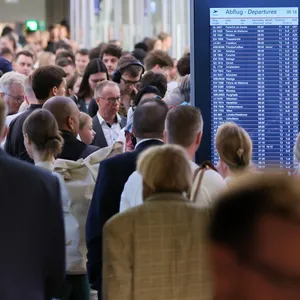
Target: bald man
67, 115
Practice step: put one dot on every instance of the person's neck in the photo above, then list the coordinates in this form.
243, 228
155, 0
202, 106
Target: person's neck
148, 138
190, 152
38, 158
40, 102
109, 119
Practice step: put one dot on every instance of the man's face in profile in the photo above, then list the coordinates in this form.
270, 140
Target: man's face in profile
270, 270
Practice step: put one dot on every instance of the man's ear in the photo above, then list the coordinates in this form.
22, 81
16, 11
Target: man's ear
98, 102
54, 91
70, 123
199, 138
165, 137
157, 69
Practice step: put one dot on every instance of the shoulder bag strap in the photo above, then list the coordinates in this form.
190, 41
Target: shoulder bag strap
198, 184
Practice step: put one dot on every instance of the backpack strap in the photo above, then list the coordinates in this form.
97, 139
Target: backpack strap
207, 165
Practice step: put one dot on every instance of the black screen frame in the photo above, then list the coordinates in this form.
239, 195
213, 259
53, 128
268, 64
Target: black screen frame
200, 58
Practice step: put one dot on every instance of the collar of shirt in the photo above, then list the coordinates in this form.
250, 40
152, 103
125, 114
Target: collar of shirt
102, 121
145, 140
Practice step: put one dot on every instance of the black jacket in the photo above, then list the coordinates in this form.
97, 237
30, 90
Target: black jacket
113, 174
15, 140
32, 256
74, 149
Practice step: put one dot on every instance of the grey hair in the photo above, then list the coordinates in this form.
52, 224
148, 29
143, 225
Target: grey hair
185, 87
11, 78
174, 98
102, 85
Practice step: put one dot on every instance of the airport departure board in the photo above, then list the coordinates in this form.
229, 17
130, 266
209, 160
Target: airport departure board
254, 69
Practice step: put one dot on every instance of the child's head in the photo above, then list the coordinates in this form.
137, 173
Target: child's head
86, 131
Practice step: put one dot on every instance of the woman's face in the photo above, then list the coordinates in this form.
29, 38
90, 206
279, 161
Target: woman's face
96, 78
87, 133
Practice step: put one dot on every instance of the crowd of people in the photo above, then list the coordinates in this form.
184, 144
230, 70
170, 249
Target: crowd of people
101, 196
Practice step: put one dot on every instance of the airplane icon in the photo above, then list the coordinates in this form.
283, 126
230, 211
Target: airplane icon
215, 11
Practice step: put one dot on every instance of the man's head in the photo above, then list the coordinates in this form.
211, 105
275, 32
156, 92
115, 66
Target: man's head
155, 79
159, 61
255, 239
166, 40
149, 119
47, 82
12, 91
175, 98
184, 126
67, 65
129, 73
183, 66
65, 112
62, 46
110, 55
23, 63
107, 95
65, 54
82, 59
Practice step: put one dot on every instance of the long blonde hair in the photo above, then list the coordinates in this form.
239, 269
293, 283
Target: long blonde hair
234, 146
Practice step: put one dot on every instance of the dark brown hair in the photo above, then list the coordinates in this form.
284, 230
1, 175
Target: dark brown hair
112, 50
42, 130
183, 66
132, 70
25, 53
65, 54
158, 57
46, 78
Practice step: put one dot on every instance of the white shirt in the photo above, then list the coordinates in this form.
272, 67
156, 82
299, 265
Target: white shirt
111, 133
211, 187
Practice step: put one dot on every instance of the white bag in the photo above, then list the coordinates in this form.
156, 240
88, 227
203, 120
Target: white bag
80, 179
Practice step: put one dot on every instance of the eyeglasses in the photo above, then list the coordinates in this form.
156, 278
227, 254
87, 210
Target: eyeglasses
19, 99
111, 100
129, 82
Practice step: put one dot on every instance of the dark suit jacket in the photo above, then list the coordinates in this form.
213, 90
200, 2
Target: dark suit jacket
74, 149
113, 174
32, 255
100, 139
15, 141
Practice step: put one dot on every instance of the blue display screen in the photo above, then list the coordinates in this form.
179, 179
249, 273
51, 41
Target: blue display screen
254, 78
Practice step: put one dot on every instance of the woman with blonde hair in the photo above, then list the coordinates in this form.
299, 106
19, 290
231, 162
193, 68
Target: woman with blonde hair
234, 147
46, 59
86, 131
158, 248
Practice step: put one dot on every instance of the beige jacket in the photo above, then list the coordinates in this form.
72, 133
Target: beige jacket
157, 251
